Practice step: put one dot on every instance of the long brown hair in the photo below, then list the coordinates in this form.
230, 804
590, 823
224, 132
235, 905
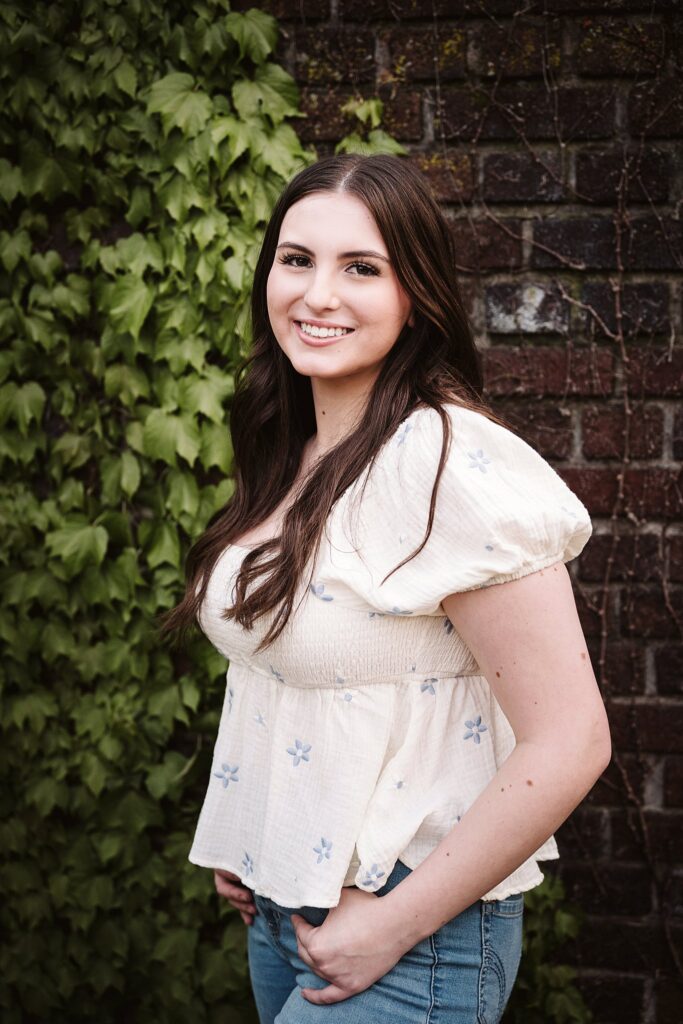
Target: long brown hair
432, 362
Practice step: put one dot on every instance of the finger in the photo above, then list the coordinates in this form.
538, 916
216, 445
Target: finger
325, 996
247, 918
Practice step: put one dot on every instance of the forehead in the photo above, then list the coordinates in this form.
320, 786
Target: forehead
332, 217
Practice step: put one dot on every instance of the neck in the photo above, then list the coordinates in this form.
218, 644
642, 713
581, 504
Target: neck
339, 405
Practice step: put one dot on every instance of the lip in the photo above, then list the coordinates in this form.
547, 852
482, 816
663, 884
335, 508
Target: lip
308, 339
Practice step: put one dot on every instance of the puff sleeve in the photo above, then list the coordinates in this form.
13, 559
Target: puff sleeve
501, 512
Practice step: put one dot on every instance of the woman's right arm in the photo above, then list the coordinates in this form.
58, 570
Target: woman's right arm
236, 893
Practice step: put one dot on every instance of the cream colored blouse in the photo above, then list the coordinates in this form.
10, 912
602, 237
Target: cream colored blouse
366, 730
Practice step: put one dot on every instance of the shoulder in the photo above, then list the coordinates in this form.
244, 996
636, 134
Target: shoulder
475, 439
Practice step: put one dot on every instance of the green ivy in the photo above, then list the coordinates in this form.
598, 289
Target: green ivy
142, 145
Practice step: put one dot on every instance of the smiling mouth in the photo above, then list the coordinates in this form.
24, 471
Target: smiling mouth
314, 331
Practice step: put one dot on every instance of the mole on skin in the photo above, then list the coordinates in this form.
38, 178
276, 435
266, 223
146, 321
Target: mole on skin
529, 782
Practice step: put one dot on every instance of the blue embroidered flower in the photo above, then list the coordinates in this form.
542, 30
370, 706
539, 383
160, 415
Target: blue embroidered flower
299, 751
399, 611
489, 547
570, 512
324, 851
375, 615
402, 538
479, 460
347, 696
399, 784
428, 686
228, 774
339, 679
319, 590
280, 678
373, 876
248, 864
401, 436
259, 718
448, 625
474, 728
231, 694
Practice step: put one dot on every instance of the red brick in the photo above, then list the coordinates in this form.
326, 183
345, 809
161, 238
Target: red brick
675, 551
531, 308
546, 428
325, 122
597, 488
590, 611
608, 888
526, 111
613, 46
623, 781
590, 243
648, 493
644, 309
604, 432
650, 613
613, 998
487, 245
331, 56
422, 53
639, 176
288, 10
677, 440
517, 48
523, 178
673, 781
628, 841
641, 946
669, 669
653, 493
450, 174
403, 114
622, 669
633, 558
655, 109
655, 371
545, 371
669, 999
653, 726
584, 835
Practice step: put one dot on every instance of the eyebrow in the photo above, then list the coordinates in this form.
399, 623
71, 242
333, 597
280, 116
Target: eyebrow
353, 254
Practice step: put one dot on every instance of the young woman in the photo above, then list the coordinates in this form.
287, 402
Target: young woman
410, 709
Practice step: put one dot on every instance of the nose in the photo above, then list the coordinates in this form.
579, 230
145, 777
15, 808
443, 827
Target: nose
321, 293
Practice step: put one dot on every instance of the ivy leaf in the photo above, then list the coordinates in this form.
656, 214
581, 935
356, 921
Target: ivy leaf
166, 434
216, 447
10, 181
254, 32
272, 92
14, 248
78, 544
277, 150
162, 777
126, 77
163, 545
180, 104
183, 494
128, 301
130, 474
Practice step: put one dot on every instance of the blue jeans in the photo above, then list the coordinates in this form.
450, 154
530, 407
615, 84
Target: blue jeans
462, 974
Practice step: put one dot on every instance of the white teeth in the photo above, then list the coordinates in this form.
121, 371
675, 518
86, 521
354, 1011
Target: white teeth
323, 332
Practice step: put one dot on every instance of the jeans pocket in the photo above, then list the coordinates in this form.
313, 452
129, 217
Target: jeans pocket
502, 923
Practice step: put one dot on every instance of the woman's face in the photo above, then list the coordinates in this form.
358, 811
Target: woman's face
334, 301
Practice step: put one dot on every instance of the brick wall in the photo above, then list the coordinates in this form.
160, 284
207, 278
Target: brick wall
552, 134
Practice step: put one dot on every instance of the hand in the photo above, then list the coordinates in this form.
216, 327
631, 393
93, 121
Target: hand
357, 943
238, 895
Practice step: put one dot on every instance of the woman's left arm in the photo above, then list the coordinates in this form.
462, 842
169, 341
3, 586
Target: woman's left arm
527, 640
